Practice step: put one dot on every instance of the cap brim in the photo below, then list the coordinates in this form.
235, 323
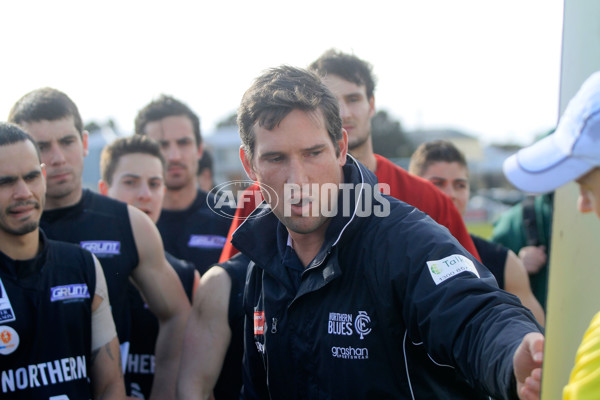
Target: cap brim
543, 167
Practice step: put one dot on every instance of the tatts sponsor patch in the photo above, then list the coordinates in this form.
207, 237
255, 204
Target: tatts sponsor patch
448, 267
259, 322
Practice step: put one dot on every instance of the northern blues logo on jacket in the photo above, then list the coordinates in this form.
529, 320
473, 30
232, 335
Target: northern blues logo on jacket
344, 324
348, 324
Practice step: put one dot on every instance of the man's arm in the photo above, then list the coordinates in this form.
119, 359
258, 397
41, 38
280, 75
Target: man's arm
105, 364
106, 374
516, 281
165, 297
207, 336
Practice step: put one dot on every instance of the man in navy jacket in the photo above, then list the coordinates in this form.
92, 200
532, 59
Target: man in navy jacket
351, 293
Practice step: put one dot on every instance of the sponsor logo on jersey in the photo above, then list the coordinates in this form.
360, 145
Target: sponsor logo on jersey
259, 322
207, 241
9, 340
450, 266
69, 292
350, 353
346, 324
102, 248
6, 311
44, 374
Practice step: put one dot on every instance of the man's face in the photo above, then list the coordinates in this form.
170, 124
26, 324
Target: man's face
298, 151
179, 148
589, 192
452, 179
138, 181
22, 189
62, 149
355, 108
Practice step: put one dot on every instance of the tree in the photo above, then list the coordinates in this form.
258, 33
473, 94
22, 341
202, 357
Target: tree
228, 122
389, 139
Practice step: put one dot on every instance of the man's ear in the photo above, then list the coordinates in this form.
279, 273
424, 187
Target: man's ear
103, 187
247, 163
84, 141
372, 107
343, 143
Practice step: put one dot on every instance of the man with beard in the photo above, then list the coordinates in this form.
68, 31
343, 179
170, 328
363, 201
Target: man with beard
56, 325
123, 237
189, 228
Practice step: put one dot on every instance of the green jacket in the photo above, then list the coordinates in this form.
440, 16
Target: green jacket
509, 230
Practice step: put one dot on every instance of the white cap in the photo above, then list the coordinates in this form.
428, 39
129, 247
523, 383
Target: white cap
567, 154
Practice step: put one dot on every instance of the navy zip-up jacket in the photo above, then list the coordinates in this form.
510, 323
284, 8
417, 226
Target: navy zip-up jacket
392, 307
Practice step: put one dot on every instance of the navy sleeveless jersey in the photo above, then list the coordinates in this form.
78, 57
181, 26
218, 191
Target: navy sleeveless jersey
101, 225
493, 256
45, 323
198, 233
229, 384
144, 331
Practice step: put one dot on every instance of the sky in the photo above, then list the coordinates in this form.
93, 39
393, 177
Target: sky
490, 69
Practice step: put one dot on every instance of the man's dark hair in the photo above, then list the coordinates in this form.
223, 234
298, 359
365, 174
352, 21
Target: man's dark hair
435, 151
166, 106
205, 162
112, 153
279, 91
11, 134
346, 66
45, 104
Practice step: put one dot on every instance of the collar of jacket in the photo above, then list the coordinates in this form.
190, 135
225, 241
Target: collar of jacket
256, 236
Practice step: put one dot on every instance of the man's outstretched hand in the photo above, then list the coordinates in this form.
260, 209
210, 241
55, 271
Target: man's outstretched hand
527, 363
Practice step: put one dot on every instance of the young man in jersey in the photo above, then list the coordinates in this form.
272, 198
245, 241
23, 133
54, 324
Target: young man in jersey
352, 82
132, 171
58, 338
213, 345
571, 153
189, 227
352, 293
441, 163
122, 237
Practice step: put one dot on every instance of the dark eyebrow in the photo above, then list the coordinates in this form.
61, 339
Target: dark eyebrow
130, 175
316, 147
13, 178
270, 154
7, 179
68, 136
33, 174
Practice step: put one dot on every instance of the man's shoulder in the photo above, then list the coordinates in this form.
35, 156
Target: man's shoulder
401, 180
62, 251
93, 199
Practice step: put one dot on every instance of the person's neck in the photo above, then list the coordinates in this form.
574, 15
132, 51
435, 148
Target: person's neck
21, 247
365, 155
307, 245
180, 199
65, 201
